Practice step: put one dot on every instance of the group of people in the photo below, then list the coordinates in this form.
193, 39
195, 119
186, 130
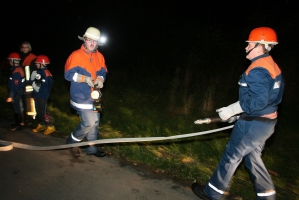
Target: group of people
85, 68
30, 81
255, 113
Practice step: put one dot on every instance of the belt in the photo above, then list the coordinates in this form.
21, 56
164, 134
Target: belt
251, 118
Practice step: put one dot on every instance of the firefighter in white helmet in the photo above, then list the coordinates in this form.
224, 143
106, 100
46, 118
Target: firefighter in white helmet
260, 91
85, 68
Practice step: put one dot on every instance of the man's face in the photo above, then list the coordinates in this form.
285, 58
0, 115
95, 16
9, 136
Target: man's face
255, 50
25, 48
91, 45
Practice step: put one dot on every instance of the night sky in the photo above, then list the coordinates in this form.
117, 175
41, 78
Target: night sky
136, 28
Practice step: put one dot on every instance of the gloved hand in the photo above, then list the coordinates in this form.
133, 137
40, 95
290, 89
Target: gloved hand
226, 112
233, 119
81, 78
33, 75
99, 82
35, 87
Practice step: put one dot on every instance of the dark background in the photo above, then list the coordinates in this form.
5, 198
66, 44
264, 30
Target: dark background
161, 31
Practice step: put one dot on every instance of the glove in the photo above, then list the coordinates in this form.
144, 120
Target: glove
33, 75
81, 78
99, 82
35, 87
233, 119
226, 112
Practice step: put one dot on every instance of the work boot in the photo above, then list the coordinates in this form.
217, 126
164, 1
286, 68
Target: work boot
75, 152
16, 127
49, 130
199, 191
98, 154
39, 128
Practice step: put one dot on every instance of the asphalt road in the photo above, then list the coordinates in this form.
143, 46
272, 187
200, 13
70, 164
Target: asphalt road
47, 175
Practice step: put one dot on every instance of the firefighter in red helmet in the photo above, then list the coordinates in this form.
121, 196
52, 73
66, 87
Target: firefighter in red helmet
260, 92
42, 83
16, 85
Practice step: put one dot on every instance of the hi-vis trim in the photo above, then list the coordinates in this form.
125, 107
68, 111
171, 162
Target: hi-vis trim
23, 79
214, 188
266, 194
242, 84
277, 85
75, 138
82, 106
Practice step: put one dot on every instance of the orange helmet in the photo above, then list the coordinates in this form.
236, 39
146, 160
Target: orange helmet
42, 59
15, 57
263, 35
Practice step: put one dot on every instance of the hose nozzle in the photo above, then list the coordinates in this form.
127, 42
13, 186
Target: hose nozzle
208, 120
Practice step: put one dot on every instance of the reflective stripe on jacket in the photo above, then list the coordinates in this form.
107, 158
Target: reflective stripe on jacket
261, 87
91, 64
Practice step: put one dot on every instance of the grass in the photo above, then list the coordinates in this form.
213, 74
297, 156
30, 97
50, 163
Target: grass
137, 111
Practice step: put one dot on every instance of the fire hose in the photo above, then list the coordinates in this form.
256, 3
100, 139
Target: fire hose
7, 145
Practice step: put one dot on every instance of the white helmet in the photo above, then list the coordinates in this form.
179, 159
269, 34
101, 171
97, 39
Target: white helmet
92, 33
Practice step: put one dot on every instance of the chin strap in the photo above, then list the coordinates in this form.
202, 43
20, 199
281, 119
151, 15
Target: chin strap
252, 48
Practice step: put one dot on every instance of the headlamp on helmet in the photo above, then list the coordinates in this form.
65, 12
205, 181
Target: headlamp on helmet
94, 34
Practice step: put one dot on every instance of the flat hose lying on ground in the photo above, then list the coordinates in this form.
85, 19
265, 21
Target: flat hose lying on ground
7, 145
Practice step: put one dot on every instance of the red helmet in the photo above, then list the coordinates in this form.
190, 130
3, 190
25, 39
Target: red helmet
263, 35
14, 56
42, 59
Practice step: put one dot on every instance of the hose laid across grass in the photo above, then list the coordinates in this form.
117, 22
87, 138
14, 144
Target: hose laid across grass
7, 145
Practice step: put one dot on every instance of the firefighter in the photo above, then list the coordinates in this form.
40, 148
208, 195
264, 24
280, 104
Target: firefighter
260, 92
16, 85
28, 64
27, 57
85, 68
42, 83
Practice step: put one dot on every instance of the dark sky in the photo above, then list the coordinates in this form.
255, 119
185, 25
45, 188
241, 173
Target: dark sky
134, 27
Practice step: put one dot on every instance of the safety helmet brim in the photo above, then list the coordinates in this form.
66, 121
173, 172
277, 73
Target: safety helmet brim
99, 43
262, 42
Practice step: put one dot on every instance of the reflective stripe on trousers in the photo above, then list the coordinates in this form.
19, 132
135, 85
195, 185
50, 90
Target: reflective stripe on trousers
247, 141
88, 129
